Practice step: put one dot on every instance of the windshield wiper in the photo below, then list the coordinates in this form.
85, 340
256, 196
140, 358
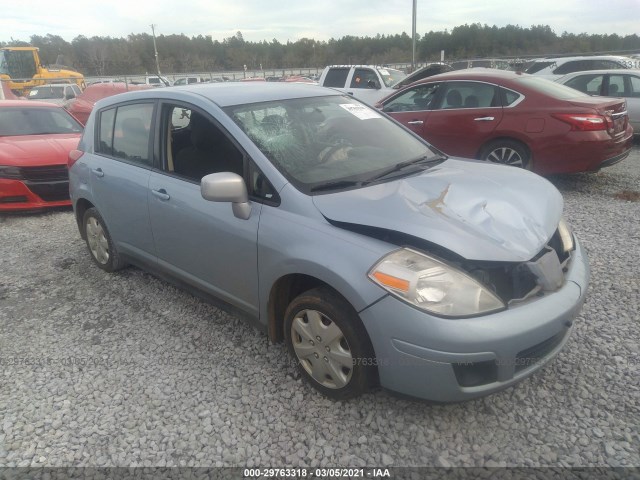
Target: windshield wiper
398, 167
338, 184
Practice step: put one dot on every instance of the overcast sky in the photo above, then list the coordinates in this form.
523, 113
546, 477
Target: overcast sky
294, 19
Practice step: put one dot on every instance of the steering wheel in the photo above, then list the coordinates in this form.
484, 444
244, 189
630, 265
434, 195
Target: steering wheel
327, 154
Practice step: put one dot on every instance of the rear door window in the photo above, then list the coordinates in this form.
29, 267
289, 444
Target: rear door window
634, 84
590, 83
616, 87
125, 132
336, 77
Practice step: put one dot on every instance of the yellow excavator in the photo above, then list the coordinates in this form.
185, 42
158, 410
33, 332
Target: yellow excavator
21, 68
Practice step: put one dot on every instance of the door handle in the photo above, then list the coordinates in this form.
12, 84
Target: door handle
161, 194
415, 122
97, 172
484, 119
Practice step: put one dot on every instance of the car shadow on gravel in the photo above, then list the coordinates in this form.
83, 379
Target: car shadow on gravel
6, 217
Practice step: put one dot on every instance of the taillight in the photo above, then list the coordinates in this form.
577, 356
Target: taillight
74, 156
584, 122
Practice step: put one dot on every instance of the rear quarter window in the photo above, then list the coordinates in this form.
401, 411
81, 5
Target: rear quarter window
105, 132
509, 97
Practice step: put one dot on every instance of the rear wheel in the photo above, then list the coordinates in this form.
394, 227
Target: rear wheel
507, 152
324, 334
99, 241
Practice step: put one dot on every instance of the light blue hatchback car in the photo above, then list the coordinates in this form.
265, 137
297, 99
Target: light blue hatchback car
376, 258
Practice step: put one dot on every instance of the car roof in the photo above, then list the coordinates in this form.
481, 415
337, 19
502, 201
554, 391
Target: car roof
582, 57
484, 74
240, 93
27, 104
619, 71
382, 67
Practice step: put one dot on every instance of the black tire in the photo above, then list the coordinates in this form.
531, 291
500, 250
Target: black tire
507, 152
99, 243
344, 364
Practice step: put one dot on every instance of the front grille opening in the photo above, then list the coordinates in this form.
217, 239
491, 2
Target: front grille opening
53, 173
533, 355
50, 192
14, 199
474, 374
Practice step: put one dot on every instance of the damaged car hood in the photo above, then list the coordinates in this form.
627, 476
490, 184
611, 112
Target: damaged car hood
477, 210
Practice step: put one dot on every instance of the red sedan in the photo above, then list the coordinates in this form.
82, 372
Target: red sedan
83, 104
35, 141
514, 119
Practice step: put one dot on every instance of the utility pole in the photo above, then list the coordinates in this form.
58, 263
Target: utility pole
413, 36
155, 48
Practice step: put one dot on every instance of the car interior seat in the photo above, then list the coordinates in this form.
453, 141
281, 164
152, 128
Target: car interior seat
454, 99
134, 143
471, 102
612, 90
210, 151
422, 103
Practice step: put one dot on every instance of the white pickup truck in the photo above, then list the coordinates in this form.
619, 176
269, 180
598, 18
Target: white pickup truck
368, 83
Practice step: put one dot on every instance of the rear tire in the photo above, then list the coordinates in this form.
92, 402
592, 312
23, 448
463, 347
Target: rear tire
507, 152
101, 247
325, 336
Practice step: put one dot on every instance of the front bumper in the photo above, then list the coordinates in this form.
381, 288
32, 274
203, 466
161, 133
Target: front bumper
16, 196
439, 359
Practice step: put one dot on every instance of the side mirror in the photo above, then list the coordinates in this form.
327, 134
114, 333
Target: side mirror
373, 84
227, 187
69, 96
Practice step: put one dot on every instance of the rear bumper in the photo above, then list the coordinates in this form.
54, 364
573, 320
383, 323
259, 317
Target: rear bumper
16, 196
459, 359
582, 152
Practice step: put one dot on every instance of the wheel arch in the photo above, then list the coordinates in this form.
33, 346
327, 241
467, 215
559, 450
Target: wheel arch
515, 138
81, 206
282, 292
506, 138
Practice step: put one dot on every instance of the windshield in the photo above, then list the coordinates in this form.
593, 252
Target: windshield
36, 121
553, 89
18, 64
391, 76
319, 140
4, 67
46, 92
537, 66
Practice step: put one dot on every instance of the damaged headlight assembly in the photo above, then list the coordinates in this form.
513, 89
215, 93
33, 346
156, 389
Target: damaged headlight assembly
566, 237
433, 286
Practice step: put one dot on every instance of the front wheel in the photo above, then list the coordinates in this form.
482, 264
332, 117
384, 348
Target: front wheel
507, 152
324, 334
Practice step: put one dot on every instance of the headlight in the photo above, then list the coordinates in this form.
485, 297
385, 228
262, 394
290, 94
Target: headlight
12, 173
566, 237
432, 285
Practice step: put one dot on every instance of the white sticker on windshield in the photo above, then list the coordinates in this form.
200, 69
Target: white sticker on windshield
360, 111
383, 72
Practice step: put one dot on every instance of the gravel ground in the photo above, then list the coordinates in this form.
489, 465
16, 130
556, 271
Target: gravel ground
125, 370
